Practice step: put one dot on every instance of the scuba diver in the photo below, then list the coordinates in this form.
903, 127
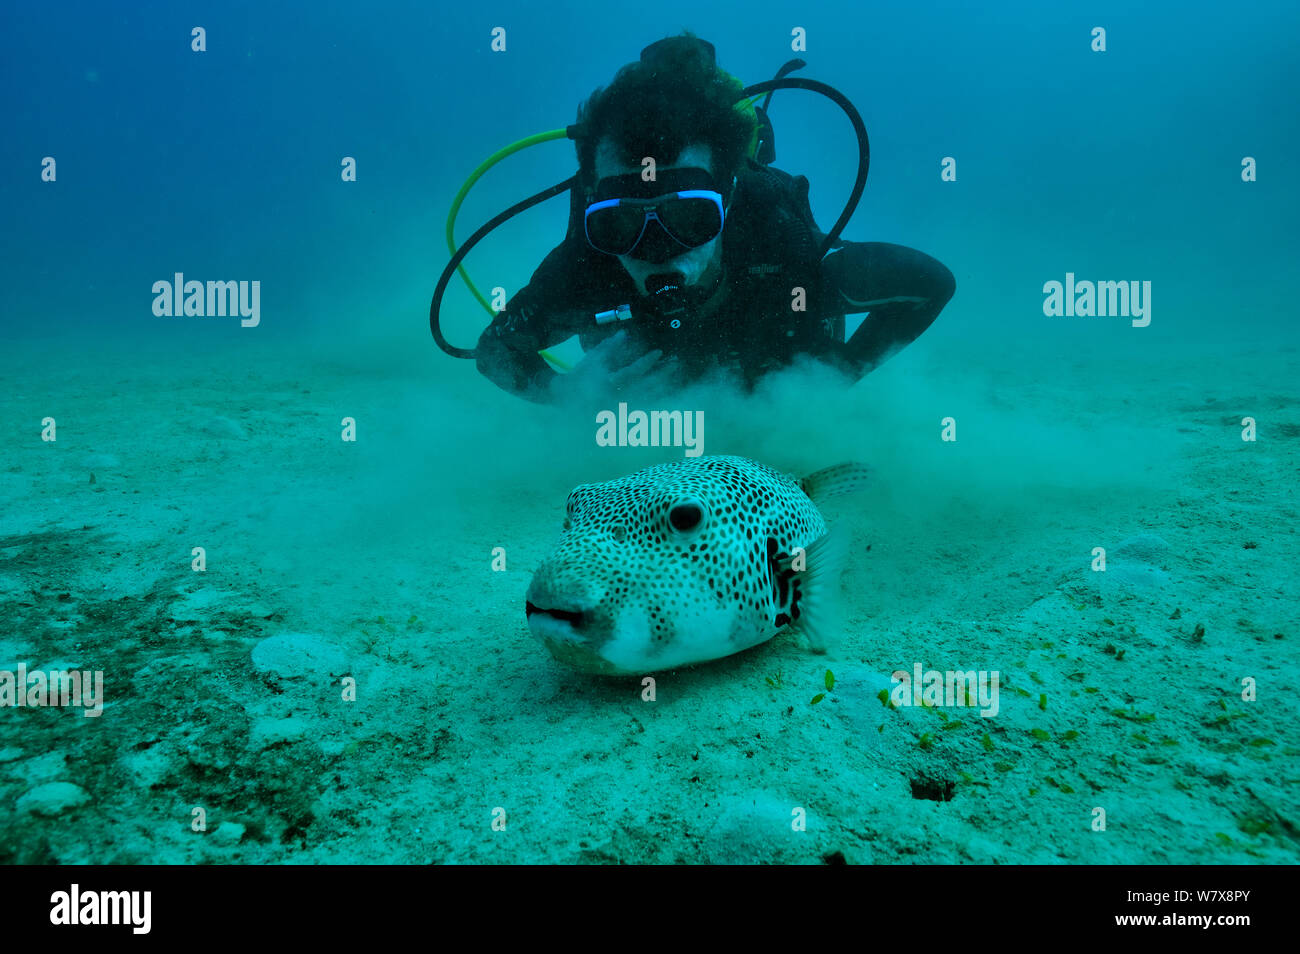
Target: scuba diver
687, 252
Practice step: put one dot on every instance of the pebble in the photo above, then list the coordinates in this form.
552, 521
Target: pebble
52, 798
299, 655
1135, 575
265, 733
856, 700
148, 767
756, 829
228, 833
1136, 564
43, 768
201, 604
1144, 548
217, 426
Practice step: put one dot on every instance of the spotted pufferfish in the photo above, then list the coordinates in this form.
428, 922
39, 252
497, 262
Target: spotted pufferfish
687, 562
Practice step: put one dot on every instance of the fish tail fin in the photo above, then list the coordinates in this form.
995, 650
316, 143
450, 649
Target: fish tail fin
841, 479
819, 609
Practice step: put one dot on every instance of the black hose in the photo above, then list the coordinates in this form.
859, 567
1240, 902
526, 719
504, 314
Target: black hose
436, 305
864, 146
789, 67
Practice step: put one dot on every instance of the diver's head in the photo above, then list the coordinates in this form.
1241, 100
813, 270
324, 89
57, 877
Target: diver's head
675, 108
666, 230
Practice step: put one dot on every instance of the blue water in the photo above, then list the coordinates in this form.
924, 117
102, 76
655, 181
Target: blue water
226, 163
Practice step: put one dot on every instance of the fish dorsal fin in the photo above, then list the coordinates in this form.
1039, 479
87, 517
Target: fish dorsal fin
847, 478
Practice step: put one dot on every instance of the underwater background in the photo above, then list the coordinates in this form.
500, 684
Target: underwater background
349, 677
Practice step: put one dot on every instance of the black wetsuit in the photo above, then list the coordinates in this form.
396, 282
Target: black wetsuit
769, 248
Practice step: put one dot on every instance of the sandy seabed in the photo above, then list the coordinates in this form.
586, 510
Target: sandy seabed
329, 562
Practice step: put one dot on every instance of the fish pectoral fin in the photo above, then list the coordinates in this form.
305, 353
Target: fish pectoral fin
836, 481
815, 605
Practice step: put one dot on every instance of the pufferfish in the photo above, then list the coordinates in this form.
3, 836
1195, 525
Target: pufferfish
687, 562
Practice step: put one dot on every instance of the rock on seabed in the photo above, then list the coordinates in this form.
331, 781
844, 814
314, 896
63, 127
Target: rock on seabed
53, 798
299, 655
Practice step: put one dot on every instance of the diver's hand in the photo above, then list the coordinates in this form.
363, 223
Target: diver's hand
604, 369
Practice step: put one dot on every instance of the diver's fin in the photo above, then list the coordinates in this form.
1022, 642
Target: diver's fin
819, 586
836, 481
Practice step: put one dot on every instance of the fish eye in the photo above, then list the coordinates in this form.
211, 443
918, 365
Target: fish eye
685, 515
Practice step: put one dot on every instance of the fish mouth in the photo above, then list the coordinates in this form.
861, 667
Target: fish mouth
570, 635
575, 618
572, 638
